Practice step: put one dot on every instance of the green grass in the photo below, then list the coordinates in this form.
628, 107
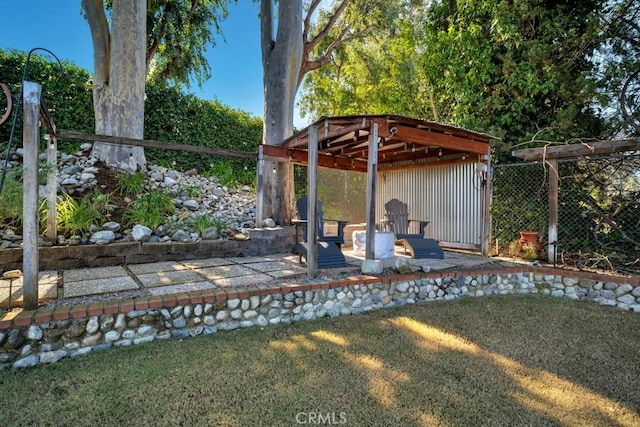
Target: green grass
151, 209
200, 221
488, 361
131, 183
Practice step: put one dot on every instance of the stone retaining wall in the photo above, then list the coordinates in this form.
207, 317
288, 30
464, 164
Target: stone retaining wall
261, 242
45, 336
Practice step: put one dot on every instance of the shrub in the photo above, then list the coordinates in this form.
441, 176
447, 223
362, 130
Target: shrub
75, 217
11, 199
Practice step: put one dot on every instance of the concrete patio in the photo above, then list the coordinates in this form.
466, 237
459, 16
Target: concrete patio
172, 277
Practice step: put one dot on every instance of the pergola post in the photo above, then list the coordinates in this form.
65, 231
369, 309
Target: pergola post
312, 206
372, 172
30, 141
553, 210
259, 186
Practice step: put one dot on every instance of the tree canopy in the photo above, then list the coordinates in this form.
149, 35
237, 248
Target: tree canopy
519, 70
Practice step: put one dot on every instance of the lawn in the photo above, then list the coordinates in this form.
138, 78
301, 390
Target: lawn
478, 361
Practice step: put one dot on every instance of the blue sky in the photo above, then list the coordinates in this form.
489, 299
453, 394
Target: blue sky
58, 26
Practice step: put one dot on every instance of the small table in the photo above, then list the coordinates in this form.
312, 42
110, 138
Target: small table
384, 243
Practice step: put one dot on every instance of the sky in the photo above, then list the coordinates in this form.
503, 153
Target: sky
236, 65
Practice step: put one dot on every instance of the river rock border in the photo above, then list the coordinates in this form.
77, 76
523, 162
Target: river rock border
45, 336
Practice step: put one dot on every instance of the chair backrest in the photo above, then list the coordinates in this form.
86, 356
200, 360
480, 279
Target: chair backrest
302, 205
398, 213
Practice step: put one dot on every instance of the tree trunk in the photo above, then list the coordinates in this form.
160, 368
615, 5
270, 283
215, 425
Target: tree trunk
119, 79
281, 60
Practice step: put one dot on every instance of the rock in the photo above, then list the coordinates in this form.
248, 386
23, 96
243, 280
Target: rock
141, 233
52, 356
181, 236
402, 266
111, 226
191, 204
372, 266
92, 325
210, 233
102, 237
34, 333
69, 181
26, 362
168, 181
268, 222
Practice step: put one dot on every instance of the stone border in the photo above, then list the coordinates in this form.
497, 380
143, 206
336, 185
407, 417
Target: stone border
43, 336
262, 241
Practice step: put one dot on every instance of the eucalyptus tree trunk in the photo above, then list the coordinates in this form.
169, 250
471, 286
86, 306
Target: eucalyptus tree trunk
281, 60
119, 78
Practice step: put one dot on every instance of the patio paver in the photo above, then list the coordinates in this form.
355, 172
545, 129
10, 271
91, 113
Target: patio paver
99, 286
165, 278
156, 267
79, 274
182, 287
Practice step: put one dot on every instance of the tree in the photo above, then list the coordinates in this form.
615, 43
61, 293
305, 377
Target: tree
178, 34
514, 69
119, 78
297, 48
165, 41
618, 59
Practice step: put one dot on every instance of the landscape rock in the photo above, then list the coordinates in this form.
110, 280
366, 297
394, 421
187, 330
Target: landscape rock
141, 233
102, 237
372, 266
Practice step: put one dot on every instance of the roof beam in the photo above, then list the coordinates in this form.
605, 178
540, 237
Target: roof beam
577, 150
426, 137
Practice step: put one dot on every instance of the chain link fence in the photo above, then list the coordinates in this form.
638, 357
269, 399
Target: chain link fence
598, 211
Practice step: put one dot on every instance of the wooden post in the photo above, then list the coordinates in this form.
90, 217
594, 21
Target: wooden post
30, 141
553, 210
312, 208
372, 172
52, 187
487, 196
260, 186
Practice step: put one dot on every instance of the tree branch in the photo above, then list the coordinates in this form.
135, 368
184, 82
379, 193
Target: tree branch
307, 19
266, 31
632, 121
308, 65
101, 38
328, 26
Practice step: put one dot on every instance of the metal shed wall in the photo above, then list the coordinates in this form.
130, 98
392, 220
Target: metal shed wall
450, 196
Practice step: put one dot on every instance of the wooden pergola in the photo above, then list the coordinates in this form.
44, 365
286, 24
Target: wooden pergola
372, 143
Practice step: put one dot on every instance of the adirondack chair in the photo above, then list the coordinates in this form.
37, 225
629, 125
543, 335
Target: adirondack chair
397, 220
329, 252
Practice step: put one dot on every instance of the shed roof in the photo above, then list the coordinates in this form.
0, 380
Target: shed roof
343, 143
